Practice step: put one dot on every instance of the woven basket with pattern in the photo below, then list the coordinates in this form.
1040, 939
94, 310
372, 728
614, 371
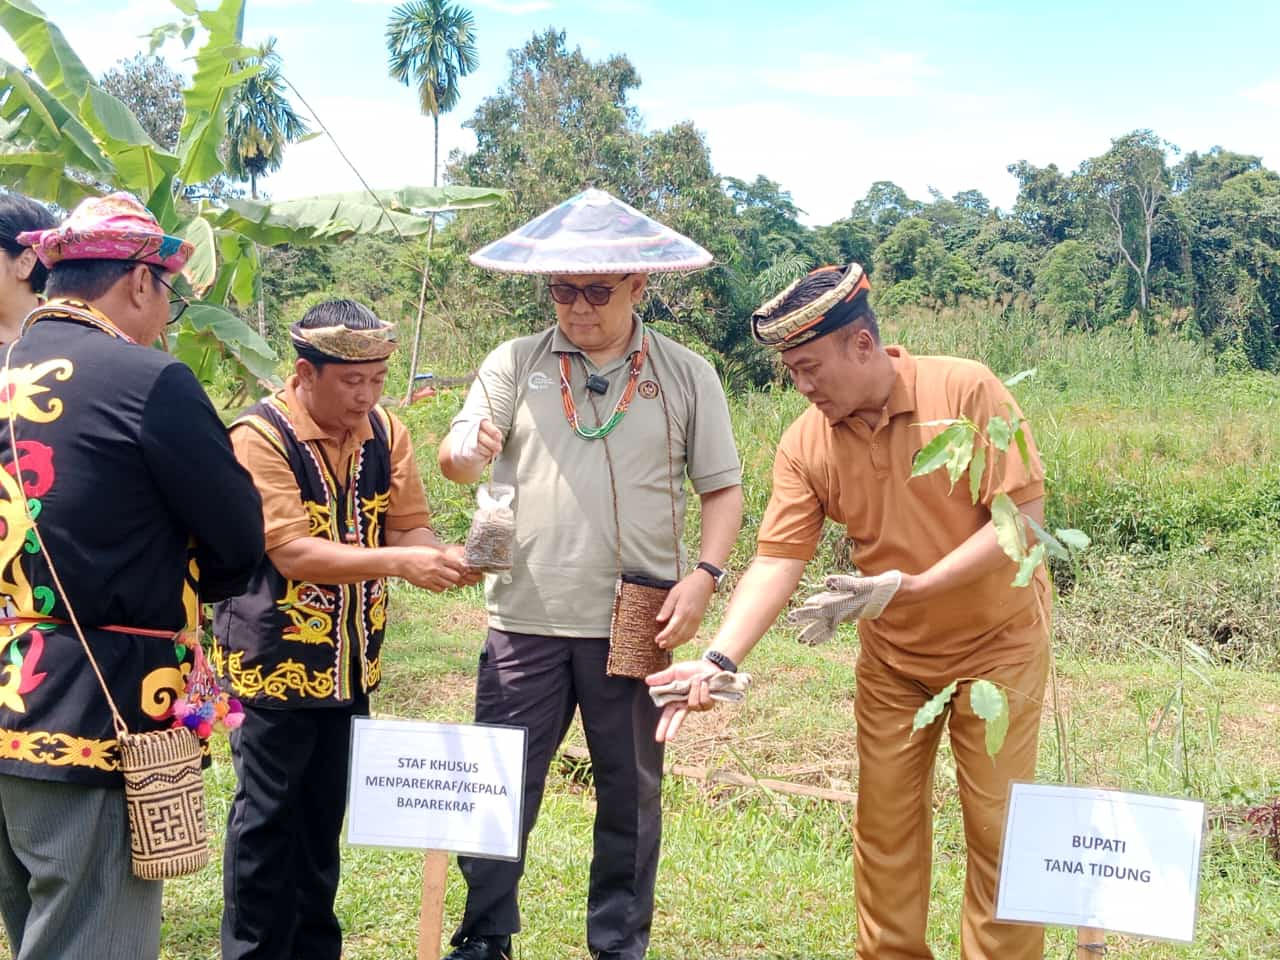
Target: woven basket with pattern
164, 790
633, 649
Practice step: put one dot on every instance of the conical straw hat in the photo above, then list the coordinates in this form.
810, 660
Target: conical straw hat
592, 232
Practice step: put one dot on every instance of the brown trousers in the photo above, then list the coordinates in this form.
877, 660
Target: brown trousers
893, 839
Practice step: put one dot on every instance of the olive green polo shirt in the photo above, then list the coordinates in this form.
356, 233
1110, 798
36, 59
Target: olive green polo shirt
565, 560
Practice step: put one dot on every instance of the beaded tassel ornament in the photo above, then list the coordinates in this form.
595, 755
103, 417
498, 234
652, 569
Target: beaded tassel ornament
204, 707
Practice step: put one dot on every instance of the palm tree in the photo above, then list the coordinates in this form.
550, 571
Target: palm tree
261, 120
432, 44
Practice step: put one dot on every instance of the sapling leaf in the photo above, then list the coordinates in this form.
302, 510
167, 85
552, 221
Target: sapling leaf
1027, 568
976, 468
937, 451
1020, 436
1075, 540
1000, 432
961, 453
1055, 548
1005, 515
990, 703
933, 708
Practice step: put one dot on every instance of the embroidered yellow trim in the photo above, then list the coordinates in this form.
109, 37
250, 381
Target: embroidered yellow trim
288, 676
58, 750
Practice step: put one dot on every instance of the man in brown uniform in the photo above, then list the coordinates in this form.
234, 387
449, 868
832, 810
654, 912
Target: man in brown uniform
343, 509
934, 600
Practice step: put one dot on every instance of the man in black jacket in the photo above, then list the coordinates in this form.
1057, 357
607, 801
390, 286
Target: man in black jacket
142, 511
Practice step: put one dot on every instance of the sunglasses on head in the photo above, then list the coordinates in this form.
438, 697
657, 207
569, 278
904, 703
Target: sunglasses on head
596, 294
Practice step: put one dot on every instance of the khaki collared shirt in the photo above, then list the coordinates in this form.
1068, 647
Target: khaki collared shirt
566, 553
284, 518
861, 477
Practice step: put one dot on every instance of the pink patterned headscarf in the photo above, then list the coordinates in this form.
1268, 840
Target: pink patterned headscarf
114, 227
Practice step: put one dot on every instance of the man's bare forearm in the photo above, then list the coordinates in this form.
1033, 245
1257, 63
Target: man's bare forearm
761, 595
721, 523
317, 560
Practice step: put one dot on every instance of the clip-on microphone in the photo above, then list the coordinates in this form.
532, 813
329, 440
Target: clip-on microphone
597, 384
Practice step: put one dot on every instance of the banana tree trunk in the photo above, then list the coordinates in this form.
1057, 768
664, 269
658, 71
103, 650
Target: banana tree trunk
422, 305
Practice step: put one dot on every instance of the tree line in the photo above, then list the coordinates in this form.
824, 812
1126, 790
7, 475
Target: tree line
1140, 234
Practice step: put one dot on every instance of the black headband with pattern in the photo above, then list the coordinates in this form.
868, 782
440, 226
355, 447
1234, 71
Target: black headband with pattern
833, 309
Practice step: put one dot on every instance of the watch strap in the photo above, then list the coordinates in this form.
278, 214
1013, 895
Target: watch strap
717, 574
720, 660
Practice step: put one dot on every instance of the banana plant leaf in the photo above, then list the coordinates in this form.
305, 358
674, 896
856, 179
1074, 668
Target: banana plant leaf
52, 60
420, 200
204, 125
209, 332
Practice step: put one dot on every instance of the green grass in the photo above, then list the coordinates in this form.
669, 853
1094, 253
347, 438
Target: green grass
752, 874
1168, 643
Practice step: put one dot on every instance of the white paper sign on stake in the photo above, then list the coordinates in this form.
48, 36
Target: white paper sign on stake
436, 786
1087, 857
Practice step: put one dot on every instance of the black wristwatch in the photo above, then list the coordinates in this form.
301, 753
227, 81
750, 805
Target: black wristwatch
720, 660
717, 574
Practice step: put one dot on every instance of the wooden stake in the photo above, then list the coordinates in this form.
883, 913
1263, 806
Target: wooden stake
435, 869
1087, 937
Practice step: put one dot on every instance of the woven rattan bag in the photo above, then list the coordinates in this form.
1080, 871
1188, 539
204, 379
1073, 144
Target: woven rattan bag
164, 790
163, 783
633, 628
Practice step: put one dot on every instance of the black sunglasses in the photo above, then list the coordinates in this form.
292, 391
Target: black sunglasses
596, 294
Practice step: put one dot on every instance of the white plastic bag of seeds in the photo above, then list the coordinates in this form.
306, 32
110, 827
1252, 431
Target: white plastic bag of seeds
493, 529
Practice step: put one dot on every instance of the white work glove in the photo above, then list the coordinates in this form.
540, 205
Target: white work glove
724, 686
846, 598
464, 439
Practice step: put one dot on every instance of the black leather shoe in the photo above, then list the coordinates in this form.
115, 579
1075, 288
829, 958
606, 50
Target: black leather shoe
481, 948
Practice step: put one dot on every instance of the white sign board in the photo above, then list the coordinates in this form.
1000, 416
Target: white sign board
436, 786
1085, 857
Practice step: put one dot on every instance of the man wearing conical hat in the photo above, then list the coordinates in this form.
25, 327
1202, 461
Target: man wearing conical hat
933, 599
124, 465
344, 510
597, 421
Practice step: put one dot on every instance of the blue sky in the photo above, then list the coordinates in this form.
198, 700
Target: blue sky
823, 97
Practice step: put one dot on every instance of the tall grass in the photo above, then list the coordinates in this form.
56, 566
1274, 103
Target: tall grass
1172, 467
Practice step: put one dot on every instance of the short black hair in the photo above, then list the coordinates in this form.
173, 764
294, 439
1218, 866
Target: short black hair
822, 281
333, 313
19, 214
340, 313
91, 279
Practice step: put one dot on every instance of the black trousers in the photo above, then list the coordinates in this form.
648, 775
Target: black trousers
536, 682
281, 864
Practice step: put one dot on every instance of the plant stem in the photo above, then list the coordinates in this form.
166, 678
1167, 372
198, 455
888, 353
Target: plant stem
422, 305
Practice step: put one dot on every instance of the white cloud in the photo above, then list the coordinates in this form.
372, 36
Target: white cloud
827, 159
517, 8
386, 139
514, 8
622, 6
828, 75
105, 37
1267, 94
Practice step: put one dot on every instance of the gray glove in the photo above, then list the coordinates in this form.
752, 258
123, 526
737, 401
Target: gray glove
846, 598
724, 686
